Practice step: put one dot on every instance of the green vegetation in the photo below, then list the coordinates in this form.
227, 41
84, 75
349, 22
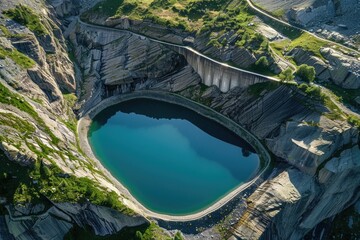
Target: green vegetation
21, 126
286, 75
262, 62
192, 16
155, 232
145, 232
304, 41
173, 13
12, 179
10, 98
8, 34
33, 183
4, 30
19, 58
106, 7
306, 73
262, 66
70, 100
354, 121
27, 17
309, 43
315, 93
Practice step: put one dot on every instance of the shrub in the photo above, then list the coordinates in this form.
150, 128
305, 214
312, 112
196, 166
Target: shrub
312, 91
306, 73
354, 121
262, 62
286, 75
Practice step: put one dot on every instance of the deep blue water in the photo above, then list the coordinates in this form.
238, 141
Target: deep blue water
172, 160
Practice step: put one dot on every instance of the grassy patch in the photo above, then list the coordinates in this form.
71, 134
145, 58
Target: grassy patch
8, 34
107, 7
5, 31
23, 127
15, 182
304, 41
27, 17
308, 43
183, 14
10, 98
315, 93
153, 232
70, 100
19, 58
354, 121
30, 184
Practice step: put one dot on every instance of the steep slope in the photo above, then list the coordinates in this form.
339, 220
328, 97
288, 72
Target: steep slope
315, 146
38, 127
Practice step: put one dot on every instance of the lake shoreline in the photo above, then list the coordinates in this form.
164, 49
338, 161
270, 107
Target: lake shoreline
85, 122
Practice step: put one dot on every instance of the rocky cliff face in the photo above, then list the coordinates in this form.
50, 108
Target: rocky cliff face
37, 86
118, 62
41, 84
320, 158
314, 184
296, 133
39, 222
340, 69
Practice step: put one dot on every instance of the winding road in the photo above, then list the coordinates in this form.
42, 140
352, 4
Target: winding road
176, 45
344, 108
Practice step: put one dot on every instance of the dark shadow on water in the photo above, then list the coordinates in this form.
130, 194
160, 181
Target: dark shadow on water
163, 110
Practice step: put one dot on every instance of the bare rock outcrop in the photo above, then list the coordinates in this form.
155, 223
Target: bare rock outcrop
302, 56
307, 144
116, 62
35, 222
282, 193
341, 69
344, 70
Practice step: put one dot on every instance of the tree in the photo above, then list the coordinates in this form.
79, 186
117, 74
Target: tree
286, 75
262, 62
306, 73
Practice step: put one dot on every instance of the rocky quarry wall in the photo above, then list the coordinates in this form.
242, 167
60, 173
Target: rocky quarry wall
293, 200
319, 173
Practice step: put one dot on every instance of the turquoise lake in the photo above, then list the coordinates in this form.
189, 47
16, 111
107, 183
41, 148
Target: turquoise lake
171, 159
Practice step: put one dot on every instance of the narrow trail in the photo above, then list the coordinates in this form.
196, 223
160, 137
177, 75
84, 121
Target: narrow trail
176, 45
284, 60
298, 28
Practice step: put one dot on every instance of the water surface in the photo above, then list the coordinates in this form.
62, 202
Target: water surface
171, 159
